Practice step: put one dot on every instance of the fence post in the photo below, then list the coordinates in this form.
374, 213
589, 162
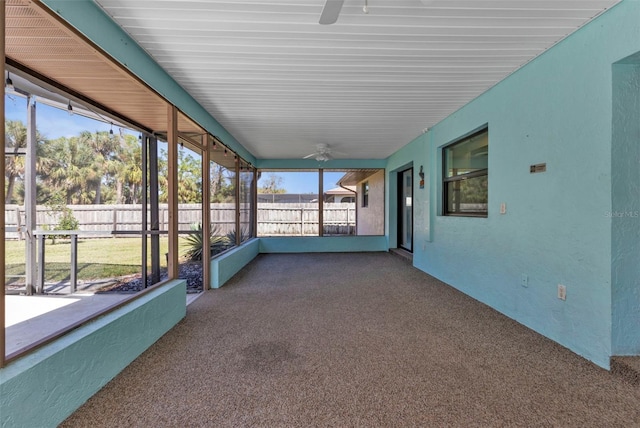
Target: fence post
18, 224
302, 221
40, 285
74, 263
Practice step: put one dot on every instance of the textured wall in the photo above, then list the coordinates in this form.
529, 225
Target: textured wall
46, 386
557, 228
230, 263
371, 219
625, 209
326, 244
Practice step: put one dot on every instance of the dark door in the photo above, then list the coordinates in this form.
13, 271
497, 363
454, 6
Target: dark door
405, 205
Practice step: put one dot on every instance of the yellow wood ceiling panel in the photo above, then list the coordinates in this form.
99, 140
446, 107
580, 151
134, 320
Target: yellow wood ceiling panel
39, 42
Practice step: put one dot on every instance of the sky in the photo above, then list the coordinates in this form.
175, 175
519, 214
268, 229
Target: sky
54, 123
306, 182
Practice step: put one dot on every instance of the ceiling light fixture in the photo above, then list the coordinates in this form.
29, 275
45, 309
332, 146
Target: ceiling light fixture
111, 130
9, 82
365, 8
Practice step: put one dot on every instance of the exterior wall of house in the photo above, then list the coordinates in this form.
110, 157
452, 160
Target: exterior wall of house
370, 219
45, 387
557, 228
625, 210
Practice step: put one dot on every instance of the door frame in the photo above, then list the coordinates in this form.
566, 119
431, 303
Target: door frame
400, 205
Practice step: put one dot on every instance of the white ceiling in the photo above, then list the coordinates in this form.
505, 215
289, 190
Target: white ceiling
281, 83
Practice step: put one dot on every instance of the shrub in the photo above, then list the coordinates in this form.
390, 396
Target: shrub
194, 243
67, 220
231, 237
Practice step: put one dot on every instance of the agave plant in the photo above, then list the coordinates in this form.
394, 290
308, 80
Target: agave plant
231, 237
194, 245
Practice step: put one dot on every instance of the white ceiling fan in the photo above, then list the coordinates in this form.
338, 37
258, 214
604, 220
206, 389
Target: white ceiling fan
331, 11
323, 153
332, 8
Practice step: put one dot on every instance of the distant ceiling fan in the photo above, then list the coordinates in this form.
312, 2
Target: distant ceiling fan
332, 8
323, 153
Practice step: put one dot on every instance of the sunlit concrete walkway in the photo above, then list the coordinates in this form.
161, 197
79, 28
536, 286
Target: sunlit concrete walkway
31, 319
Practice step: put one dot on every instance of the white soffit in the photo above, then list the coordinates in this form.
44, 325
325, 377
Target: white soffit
281, 83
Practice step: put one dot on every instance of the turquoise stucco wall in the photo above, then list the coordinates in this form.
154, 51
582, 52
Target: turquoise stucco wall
230, 263
326, 244
46, 386
557, 109
224, 267
625, 210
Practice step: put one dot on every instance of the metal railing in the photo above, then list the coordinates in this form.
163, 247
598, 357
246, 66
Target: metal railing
73, 234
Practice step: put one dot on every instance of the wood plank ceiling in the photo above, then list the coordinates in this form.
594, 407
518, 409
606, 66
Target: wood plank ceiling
38, 44
281, 83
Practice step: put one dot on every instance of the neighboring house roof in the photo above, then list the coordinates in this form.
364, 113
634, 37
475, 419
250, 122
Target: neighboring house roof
341, 191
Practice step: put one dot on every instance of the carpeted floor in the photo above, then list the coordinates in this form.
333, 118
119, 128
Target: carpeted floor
342, 340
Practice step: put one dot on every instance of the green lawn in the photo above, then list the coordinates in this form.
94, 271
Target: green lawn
97, 258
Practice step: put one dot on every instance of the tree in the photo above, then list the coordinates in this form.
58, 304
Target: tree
189, 178
105, 163
92, 168
69, 170
271, 183
222, 184
128, 171
16, 138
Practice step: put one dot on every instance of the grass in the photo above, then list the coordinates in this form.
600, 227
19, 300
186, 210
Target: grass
97, 258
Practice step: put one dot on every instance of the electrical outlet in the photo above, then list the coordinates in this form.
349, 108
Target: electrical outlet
524, 280
503, 208
562, 292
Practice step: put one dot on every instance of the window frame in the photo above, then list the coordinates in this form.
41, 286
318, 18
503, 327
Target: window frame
462, 177
365, 194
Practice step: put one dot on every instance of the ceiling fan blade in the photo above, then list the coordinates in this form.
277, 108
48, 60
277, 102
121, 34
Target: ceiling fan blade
310, 156
331, 11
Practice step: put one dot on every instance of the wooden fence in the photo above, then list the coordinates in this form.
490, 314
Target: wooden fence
274, 219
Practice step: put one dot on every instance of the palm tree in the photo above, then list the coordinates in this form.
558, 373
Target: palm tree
16, 138
104, 147
70, 169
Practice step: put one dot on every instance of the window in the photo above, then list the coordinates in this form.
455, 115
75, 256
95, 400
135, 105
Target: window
291, 202
339, 207
365, 194
288, 203
465, 183
222, 199
246, 201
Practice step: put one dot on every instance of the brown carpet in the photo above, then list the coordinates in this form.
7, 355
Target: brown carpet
366, 340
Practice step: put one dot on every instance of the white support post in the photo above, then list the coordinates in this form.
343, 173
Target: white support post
30, 199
